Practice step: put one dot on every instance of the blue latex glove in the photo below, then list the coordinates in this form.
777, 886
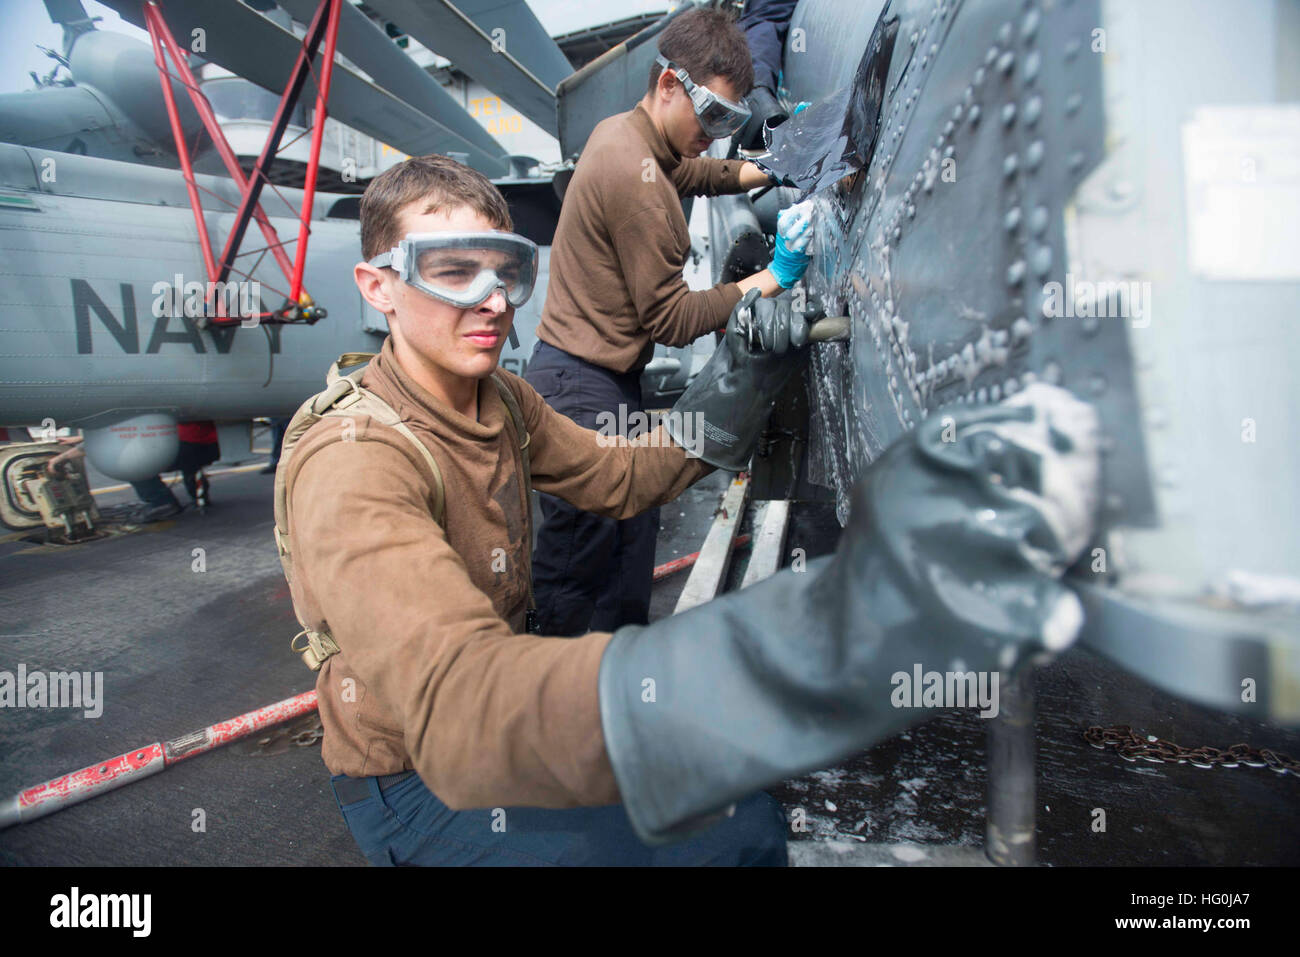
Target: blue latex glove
794, 231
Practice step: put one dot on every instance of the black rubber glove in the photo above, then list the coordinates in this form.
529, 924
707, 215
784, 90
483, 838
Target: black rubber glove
951, 560
722, 412
763, 108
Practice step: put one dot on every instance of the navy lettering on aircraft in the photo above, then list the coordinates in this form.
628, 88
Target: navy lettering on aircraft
166, 329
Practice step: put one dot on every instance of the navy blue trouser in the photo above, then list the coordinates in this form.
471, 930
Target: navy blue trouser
590, 573
154, 492
406, 825
765, 24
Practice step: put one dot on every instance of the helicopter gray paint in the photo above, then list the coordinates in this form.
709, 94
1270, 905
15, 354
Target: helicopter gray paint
80, 343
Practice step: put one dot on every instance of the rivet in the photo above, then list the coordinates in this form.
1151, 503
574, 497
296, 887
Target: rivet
978, 77
1042, 260
934, 48
948, 128
982, 395
1029, 25
1004, 33
1097, 383
949, 151
1021, 329
1033, 107
974, 114
898, 234
956, 112
995, 393
1034, 154
1076, 160
1012, 219
911, 212
1015, 272
1008, 114
1009, 165
1010, 387
968, 95
1072, 48
1073, 102
1006, 62
1032, 62
915, 36
1090, 325
1038, 220
990, 55
1052, 373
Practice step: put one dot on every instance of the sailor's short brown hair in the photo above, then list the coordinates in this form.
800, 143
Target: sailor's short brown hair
706, 44
441, 181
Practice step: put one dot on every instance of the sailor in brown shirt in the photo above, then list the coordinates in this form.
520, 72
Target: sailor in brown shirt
435, 672
456, 737
617, 288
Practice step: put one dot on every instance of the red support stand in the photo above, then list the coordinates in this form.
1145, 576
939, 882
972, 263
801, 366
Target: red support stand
323, 29
158, 30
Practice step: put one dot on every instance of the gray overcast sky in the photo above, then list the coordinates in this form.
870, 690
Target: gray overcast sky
25, 24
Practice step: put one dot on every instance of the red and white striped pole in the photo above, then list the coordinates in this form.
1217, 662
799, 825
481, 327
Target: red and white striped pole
686, 561
36, 802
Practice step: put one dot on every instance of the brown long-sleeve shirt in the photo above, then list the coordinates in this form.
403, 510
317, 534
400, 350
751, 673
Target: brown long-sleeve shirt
621, 244
434, 674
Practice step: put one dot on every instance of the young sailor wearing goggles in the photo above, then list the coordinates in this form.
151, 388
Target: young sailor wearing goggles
617, 289
438, 707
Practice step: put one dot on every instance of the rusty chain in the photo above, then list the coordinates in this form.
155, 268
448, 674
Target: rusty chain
1130, 746
305, 739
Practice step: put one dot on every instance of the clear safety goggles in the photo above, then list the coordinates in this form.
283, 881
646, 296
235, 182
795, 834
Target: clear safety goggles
718, 116
463, 269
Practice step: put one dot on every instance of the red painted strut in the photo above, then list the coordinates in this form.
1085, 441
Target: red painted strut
322, 32
686, 561
159, 31
104, 776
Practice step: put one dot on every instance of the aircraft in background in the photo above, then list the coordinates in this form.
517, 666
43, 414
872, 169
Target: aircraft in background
110, 322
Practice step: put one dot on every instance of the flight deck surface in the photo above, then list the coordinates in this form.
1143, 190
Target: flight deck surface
181, 649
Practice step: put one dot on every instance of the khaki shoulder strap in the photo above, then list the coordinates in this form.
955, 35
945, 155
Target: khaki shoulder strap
343, 397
